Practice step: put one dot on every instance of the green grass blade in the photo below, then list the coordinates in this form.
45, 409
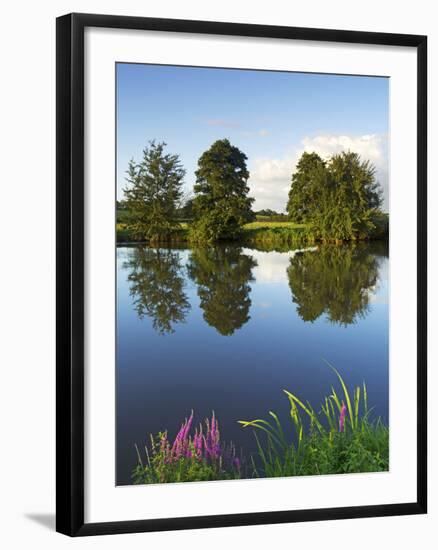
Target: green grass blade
356, 406
279, 430
262, 425
336, 399
310, 412
346, 394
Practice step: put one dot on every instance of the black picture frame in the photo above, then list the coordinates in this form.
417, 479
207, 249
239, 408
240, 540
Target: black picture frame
70, 273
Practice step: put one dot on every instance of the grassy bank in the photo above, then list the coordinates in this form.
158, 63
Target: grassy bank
340, 437
278, 236
125, 235
261, 232
269, 235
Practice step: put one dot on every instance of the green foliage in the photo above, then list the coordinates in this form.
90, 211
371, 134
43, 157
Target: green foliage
124, 214
126, 235
221, 206
156, 285
185, 212
340, 198
153, 193
381, 226
222, 275
337, 200
306, 181
276, 237
159, 470
123, 233
266, 213
270, 215
191, 457
268, 224
333, 280
319, 444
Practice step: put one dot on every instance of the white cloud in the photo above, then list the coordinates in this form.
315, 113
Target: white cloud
269, 182
270, 177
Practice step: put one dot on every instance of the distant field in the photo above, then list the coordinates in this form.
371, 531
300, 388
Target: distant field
272, 225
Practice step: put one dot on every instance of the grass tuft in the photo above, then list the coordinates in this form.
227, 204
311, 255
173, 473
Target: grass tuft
319, 443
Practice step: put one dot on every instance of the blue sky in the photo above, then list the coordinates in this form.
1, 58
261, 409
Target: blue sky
272, 116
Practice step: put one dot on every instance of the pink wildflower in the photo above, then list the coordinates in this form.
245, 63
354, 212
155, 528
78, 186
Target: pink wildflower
342, 417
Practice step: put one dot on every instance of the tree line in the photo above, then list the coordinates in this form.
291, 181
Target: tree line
338, 198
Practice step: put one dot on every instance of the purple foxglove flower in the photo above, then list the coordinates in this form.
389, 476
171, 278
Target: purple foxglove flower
342, 417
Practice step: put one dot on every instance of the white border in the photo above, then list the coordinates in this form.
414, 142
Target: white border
104, 501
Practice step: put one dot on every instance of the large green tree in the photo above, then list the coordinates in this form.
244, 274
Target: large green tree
153, 193
352, 199
221, 205
340, 198
304, 189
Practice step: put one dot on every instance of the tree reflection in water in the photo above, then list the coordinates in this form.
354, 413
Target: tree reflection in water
222, 275
334, 280
156, 285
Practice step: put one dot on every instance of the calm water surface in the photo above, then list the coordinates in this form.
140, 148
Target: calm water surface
227, 328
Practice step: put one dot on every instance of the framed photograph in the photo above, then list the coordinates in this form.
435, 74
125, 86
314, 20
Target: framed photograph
241, 274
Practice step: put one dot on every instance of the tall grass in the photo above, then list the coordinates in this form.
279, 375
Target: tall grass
340, 438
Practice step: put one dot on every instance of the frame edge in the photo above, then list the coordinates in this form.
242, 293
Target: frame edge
69, 277
70, 274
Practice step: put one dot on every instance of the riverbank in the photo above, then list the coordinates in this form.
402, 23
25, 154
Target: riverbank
275, 235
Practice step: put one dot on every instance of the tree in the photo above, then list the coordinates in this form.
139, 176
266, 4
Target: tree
305, 187
222, 275
154, 192
340, 198
156, 285
221, 205
349, 199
